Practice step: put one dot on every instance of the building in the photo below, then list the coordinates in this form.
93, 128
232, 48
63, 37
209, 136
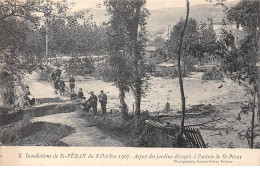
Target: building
221, 27
150, 51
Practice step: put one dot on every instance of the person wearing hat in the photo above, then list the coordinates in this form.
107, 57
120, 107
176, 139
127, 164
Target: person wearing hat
62, 86
58, 72
53, 76
92, 102
56, 85
81, 94
72, 83
28, 97
103, 101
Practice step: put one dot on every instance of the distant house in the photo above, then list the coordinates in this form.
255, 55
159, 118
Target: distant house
221, 27
149, 51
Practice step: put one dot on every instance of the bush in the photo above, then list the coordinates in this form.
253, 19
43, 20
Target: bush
166, 72
80, 66
104, 72
214, 74
189, 65
45, 73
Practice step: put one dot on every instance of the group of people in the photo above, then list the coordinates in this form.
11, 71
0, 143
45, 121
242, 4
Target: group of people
92, 102
87, 104
59, 84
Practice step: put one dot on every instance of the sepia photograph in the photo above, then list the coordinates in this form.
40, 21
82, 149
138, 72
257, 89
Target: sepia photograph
130, 73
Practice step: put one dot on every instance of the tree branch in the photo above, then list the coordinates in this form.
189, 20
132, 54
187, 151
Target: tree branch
201, 124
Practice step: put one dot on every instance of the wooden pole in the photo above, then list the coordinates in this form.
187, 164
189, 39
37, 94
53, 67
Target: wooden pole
47, 39
47, 34
180, 74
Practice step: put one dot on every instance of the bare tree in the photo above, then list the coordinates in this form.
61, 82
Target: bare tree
180, 74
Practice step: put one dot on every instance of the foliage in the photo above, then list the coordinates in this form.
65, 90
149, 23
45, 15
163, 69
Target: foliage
126, 45
199, 40
246, 14
236, 58
76, 39
80, 66
188, 36
166, 72
158, 42
45, 73
19, 25
214, 74
231, 61
104, 72
23, 33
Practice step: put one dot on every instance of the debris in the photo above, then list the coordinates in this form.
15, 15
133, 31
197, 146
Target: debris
231, 145
227, 131
238, 117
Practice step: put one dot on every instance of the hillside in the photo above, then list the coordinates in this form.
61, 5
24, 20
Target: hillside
161, 18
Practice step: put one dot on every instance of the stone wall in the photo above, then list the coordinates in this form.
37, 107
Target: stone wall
38, 111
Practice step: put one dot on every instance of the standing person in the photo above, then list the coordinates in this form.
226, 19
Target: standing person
53, 75
62, 86
58, 72
103, 101
92, 102
72, 83
57, 85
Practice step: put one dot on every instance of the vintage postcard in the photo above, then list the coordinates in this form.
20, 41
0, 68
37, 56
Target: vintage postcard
130, 82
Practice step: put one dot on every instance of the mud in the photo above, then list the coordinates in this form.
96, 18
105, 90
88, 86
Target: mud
35, 134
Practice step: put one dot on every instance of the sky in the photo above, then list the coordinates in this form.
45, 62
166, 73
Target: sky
151, 4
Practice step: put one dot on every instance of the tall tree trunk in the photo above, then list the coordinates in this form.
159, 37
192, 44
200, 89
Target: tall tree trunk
184, 69
138, 99
258, 84
258, 68
123, 105
258, 96
180, 74
253, 123
136, 57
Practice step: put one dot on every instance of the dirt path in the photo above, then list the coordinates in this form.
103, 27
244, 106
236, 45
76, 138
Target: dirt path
40, 89
86, 134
